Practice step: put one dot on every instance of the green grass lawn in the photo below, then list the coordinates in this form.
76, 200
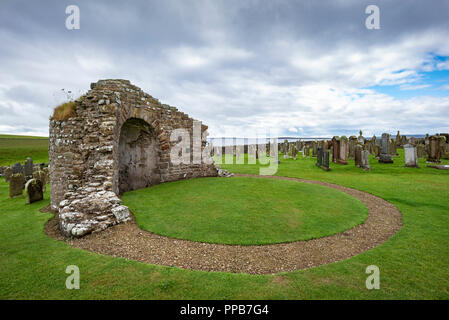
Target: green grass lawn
18, 148
244, 210
413, 263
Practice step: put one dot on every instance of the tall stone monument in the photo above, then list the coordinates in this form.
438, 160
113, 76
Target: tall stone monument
385, 156
343, 145
358, 155
28, 168
433, 149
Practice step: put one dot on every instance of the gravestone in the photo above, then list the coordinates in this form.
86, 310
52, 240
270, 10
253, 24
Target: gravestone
324, 145
411, 156
40, 175
294, 151
377, 151
307, 151
373, 140
358, 155
439, 167
398, 139
433, 149
420, 149
385, 156
372, 148
28, 169
351, 146
319, 157
17, 168
369, 147
314, 148
403, 140
325, 164
335, 148
8, 174
393, 150
16, 185
34, 190
298, 144
378, 142
443, 150
365, 160
268, 148
285, 149
343, 150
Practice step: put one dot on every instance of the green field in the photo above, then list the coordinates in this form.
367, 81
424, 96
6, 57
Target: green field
413, 263
18, 148
244, 211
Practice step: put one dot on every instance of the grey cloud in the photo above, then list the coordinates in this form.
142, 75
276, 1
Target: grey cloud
254, 81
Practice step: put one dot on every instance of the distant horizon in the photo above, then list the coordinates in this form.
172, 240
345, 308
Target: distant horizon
420, 135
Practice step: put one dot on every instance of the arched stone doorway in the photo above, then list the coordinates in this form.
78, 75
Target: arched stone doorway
138, 156
116, 139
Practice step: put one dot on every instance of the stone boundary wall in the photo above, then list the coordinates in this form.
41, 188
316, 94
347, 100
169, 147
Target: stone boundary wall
84, 157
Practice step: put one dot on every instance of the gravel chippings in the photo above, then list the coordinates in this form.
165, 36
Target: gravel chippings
128, 241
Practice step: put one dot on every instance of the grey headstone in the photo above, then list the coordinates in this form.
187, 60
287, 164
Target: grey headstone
325, 164
28, 169
319, 157
421, 149
17, 168
314, 148
385, 156
365, 160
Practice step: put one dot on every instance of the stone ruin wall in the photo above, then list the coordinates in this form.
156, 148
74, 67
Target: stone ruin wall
86, 169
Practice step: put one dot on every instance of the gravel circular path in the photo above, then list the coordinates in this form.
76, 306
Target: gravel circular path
128, 241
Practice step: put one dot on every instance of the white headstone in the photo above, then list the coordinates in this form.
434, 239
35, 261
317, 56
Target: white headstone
411, 155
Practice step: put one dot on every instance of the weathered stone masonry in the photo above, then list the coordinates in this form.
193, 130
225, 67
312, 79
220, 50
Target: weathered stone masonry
118, 140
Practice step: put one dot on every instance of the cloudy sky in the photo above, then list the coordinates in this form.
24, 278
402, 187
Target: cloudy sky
245, 67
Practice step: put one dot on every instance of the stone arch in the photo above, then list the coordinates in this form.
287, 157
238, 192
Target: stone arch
87, 157
138, 156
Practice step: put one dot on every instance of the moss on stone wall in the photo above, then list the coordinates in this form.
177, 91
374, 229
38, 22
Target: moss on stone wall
64, 111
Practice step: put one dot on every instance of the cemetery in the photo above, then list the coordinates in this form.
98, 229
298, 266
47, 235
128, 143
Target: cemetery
110, 189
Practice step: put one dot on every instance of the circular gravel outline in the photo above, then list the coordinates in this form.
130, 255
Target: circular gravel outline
128, 241
329, 233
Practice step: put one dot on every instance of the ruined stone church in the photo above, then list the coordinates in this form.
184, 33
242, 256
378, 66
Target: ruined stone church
116, 138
